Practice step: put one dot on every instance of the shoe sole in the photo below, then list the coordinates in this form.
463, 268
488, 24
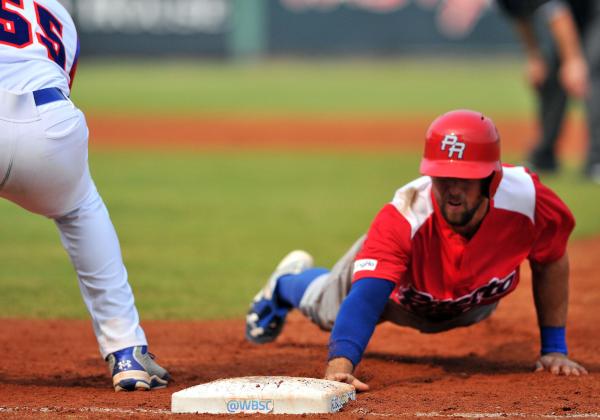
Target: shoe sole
129, 385
137, 380
265, 338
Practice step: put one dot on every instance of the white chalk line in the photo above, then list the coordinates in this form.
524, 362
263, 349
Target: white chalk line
102, 410
509, 414
475, 415
361, 411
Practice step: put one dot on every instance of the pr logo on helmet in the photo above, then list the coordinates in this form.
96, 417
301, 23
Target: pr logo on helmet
454, 146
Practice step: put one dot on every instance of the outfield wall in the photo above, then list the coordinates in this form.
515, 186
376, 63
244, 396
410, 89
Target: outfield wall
235, 28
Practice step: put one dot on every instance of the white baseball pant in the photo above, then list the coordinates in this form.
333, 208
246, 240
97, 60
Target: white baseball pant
44, 169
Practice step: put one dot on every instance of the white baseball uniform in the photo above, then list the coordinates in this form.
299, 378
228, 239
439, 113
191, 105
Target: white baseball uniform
43, 160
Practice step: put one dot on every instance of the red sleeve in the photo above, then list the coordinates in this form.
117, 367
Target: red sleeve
386, 251
554, 223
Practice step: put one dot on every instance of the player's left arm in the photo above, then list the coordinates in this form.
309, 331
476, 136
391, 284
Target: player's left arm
551, 296
550, 278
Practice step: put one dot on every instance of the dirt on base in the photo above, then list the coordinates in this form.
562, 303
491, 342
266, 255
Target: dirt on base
52, 368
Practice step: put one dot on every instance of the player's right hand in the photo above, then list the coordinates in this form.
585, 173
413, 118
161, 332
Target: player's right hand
340, 369
348, 379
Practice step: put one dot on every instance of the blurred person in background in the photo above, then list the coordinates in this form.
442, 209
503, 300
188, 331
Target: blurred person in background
561, 39
44, 169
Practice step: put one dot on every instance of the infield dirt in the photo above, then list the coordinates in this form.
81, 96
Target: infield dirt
52, 368
316, 134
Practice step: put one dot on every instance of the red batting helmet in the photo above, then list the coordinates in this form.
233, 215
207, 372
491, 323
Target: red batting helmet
462, 144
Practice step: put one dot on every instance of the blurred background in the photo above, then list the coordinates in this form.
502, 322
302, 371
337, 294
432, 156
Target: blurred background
276, 28
225, 133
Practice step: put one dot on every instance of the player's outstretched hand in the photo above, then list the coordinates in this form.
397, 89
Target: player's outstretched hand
340, 369
349, 379
559, 364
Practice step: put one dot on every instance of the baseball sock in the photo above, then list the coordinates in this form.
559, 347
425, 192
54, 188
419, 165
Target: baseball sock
291, 287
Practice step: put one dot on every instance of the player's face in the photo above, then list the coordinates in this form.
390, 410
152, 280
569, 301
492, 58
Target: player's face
460, 200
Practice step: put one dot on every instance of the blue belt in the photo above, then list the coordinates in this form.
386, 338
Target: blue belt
47, 95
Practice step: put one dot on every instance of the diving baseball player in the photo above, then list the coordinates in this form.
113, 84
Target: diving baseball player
44, 169
439, 256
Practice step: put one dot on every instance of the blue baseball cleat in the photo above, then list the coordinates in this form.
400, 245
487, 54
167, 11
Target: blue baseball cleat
133, 368
266, 316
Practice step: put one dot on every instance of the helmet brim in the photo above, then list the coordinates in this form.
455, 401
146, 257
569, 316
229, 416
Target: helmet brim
458, 168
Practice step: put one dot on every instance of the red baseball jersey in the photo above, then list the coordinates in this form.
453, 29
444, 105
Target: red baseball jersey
440, 274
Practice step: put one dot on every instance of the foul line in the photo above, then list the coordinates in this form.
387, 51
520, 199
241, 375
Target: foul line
84, 410
504, 415
508, 414
360, 411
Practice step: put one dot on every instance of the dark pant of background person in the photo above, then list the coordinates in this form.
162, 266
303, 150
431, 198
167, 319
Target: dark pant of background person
552, 101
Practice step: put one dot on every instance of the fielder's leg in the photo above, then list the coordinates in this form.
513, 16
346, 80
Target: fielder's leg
89, 238
48, 174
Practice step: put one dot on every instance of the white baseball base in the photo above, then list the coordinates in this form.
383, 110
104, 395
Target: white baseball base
264, 394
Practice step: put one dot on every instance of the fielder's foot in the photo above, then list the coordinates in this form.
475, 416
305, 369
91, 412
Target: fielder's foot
266, 316
134, 369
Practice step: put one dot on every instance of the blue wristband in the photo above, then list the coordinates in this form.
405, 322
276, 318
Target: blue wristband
553, 340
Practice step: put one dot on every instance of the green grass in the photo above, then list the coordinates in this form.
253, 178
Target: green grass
200, 232
317, 88
582, 197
